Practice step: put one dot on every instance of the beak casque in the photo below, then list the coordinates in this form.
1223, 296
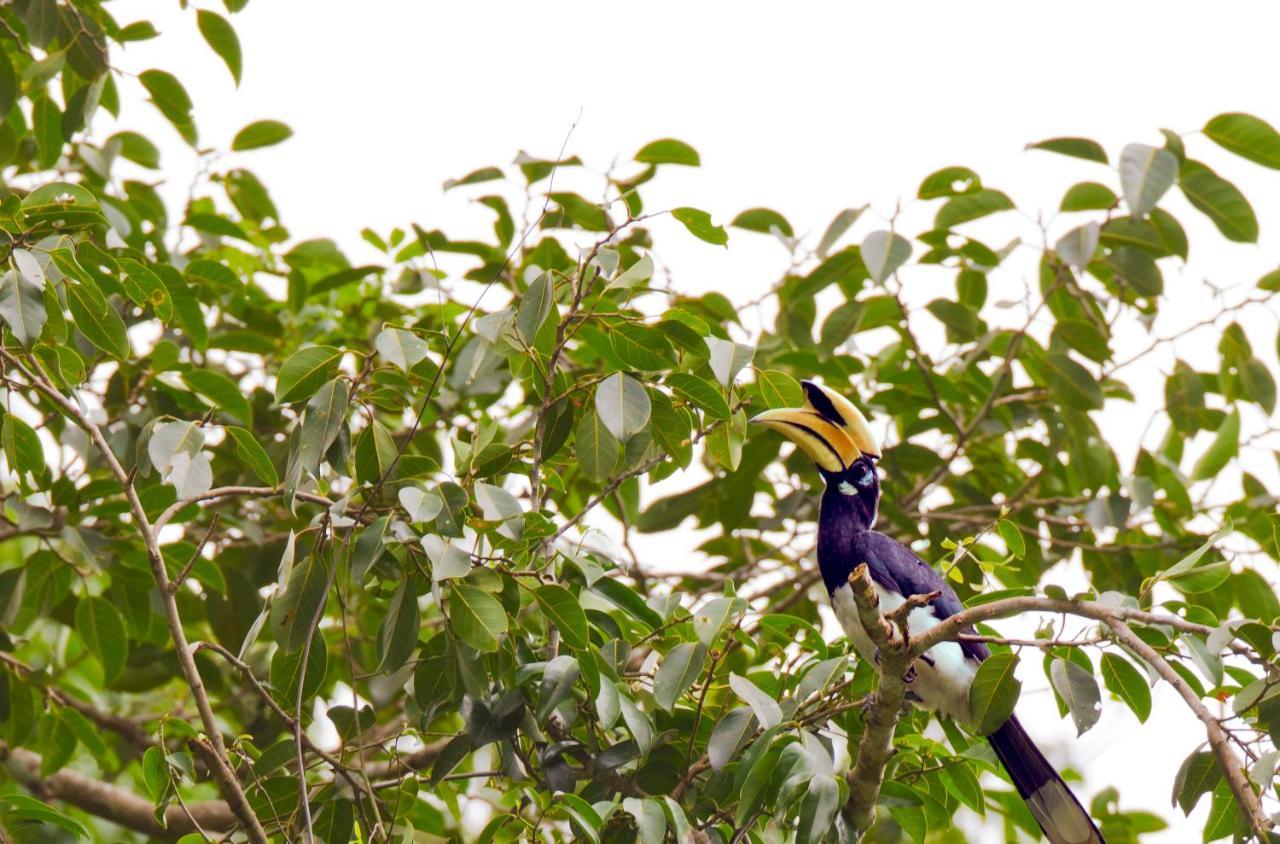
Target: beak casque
829, 429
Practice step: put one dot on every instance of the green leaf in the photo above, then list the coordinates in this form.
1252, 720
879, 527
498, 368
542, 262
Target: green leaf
597, 450
22, 306
583, 816
1270, 282
623, 406
628, 600
994, 692
730, 734
476, 617
1220, 201
778, 389
971, 206
1089, 196
305, 371
48, 132
680, 668
20, 807
883, 252
764, 221
498, 505
172, 100
818, 809
712, 617
294, 611
1146, 173
840, 224
261, 133
949, 181
398, 633
221, 37
101, 627
98, 321
650, 819
1071, 383
700, 226
22, 446
1077, 247
1190, 561
728, 358
422, 505
402, 348
700, 393
1128, 684
8, 83
535, 305
766, 709
1075, 685
563, 610
252, 453
1197, 776
222, 391
482, 174
634, 276
1083, 336
668, 151
1074, 147
641, 348
959, 781
557, 684
1013, 538
1225, 445
1246, 136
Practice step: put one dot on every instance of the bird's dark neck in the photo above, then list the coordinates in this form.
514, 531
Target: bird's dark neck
841, 518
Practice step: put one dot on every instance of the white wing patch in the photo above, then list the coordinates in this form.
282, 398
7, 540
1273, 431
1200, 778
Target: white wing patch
942, 686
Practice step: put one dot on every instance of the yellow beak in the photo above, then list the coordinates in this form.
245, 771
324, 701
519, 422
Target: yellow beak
829, 429
825, 443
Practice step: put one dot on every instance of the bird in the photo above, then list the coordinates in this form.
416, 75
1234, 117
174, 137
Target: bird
832, 432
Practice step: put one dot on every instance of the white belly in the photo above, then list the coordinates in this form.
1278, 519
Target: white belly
942, 686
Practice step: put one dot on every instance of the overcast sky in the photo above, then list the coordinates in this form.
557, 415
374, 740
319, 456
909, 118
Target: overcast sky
804, 107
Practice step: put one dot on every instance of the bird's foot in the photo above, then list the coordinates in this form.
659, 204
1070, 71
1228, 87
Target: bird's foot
909, 676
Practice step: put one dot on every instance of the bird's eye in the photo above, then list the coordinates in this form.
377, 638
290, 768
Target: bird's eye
866, 476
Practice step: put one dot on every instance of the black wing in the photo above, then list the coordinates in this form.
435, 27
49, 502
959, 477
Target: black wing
896, 567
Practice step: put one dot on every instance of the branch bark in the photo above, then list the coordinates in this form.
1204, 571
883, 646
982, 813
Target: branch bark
116, 804
876, 745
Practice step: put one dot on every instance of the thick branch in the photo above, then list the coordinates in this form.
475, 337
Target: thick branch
876, 746
116, 804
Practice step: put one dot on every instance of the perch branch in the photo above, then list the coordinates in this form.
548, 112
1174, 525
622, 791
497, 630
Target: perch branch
876, 746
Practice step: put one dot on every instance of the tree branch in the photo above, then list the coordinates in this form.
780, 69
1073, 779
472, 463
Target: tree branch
876, 745
221, 768
116, 804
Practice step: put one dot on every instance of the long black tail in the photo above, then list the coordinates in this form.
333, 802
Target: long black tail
1055, 808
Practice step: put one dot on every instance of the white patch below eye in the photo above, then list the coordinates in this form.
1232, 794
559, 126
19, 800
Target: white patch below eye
846, 488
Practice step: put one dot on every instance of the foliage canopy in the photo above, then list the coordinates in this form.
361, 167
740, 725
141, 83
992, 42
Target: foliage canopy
266, 509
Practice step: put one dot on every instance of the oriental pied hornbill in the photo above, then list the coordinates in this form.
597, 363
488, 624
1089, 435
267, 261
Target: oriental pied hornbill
835, 434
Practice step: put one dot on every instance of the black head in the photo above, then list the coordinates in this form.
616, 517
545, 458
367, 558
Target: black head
856, 490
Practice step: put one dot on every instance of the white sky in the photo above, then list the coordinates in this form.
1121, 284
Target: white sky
807, 108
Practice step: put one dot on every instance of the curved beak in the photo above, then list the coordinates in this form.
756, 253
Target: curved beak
825, 443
